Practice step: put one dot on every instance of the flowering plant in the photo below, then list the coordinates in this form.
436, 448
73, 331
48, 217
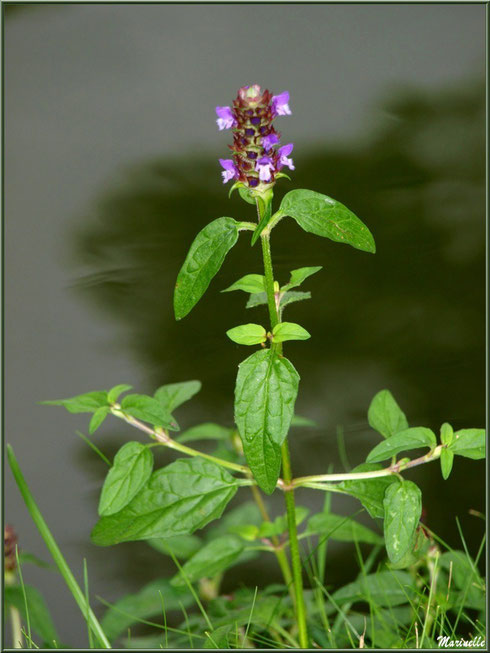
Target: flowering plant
165, 507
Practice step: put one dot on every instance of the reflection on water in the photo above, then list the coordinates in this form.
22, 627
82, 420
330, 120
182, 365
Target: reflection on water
410, 318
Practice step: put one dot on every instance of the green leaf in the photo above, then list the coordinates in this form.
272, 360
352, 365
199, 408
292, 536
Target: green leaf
144, 604
245, 195
173, 395
181, 546
413, 438
213, 558
266, 211
447, 433
382, 589
289, 331
256, 299
252, 283
220, 637
205, 258
447, 458
265, 393
246, 513
403, 507
177, 500
113, 394
298, 420
345, 529
39, 616
299, 275
87, 403
370, 491
97, 418
385, 415
469, 443
324, 216
249, 532
148, 409
132, 467
293, 296
206, 431
247, 334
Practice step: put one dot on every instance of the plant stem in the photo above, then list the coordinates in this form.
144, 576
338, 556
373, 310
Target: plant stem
294, 548
286, 461
316, 481
55, 551
279, 552
164, 439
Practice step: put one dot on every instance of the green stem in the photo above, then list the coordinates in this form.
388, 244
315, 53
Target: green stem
279, 552
317, 481
55, 551
164, 439
286, 461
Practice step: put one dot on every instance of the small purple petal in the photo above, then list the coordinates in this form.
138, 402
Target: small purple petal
230, 170
270, 140
280, 104
255, 120
225, 118
285, 150
264, 166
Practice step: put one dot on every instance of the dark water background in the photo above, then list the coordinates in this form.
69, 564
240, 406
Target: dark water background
110, 154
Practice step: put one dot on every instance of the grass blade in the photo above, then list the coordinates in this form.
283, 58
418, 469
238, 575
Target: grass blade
54, 550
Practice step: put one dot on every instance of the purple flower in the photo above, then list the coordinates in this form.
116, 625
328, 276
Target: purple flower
269, 140
225, 118
280, 104
283, 153
230, 170
264, 166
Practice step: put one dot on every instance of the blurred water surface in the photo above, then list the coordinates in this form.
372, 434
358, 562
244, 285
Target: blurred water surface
111, 171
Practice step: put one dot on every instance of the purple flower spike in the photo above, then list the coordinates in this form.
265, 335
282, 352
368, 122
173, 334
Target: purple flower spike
283, 153
269, 140
264, 167
225, 118
280, 104
230, 170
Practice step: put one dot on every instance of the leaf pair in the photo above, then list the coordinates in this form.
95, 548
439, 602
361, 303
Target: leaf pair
255, 334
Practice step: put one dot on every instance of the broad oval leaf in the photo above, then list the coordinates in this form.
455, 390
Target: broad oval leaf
144, 604
173, 395
299, 275
148, 409
324, 216
132, 467
383, 589
403, 508
338, 527
447, 433
177, 500
204, 259
247, 334
413, 438
469, 443
289, 331
370, 491
385, 415
292, 296
252, 283
265, 393
213, 558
